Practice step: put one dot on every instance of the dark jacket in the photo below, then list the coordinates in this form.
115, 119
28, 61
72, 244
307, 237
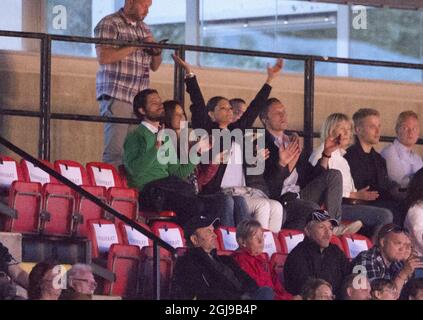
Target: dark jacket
307, 261
5, 258
198, 276
201, 119
361, 173
275, 174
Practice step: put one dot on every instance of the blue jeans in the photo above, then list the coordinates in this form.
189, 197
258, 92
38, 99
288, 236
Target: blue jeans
230, 210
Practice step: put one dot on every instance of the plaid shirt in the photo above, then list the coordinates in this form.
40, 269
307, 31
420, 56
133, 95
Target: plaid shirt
122, 80
375, 266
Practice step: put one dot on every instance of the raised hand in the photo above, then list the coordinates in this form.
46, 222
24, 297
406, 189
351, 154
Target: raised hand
273, 72
331, 144
181, 63
152, 51
289, 153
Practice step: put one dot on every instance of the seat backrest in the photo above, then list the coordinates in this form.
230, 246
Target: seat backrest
103, 174
32, 173
354, 244
124, 201
88, 210
226, 237
59, 202
169, 232
337, 241
72, 170
26, 199
277, 264
271, 242
289, 239
125, 262
123, 175
102, 234
9, 171
131, 236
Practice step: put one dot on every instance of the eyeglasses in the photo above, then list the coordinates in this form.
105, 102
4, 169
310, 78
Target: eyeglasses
89, 282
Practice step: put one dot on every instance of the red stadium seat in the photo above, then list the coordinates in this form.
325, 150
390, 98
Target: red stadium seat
131, 236
26, 199
32, 173
124, 201
226, 238
353, 244
169, 232
72, 170
337, 241
271, 242
289, 239
125, 262
104, 174
9, 171
102, 234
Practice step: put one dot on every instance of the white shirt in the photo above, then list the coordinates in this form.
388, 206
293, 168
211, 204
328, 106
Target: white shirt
290, 183
338, 162
234, 173
414, 223
402, 163
150, 127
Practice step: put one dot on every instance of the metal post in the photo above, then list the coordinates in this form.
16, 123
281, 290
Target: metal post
156, 270
178, 81
309, 66
45, 86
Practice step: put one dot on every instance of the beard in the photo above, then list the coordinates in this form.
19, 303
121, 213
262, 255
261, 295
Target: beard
155, 117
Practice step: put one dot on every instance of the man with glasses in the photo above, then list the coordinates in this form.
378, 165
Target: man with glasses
401, 160
316, 257
388, 258
81, 283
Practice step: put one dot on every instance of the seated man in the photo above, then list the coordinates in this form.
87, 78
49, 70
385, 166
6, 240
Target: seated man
10, 267
368, 168
402, 161
146, 171
316, 257
202, 274
81, 283
292, 180
356, 288
390, 258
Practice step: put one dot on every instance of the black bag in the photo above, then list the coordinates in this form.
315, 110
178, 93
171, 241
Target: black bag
154, 195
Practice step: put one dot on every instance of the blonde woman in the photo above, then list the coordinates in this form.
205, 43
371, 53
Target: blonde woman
357, 204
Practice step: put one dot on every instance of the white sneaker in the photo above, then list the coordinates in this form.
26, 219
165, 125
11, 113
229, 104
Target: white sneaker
351, 228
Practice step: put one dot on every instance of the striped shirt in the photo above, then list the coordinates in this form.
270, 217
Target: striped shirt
122, 80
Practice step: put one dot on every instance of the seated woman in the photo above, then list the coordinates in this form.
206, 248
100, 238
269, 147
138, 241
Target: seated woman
317, 289
252, 260
230, 209
45, 282
414, 219
357, 204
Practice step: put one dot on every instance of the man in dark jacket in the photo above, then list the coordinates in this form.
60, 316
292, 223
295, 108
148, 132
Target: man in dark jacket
202, 274
316, 257
368, 167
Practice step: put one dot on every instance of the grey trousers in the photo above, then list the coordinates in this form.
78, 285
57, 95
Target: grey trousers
326, 189
115, 133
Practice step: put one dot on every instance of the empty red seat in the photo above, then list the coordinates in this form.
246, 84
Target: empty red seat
103, 174
102, 233
26, 199
31, 173
132, 236
72, 170
169, 232
123, 200
353, 244
289, 239
125, 262
226, 238
10, 171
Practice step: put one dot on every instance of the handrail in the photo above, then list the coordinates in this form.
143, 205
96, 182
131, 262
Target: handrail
156, 240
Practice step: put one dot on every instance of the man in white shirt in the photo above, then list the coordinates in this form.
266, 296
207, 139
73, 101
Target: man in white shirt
401, 160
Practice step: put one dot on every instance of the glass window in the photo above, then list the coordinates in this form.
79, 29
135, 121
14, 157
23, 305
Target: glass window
10, 20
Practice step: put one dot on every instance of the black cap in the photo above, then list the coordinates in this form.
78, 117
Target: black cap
321, 216
197, 222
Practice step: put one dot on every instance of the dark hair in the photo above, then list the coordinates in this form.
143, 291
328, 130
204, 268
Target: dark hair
308, 291
362, 113
415, 190
236, 102
170, 107
348, 283
380, 284
140, 101
35, 279
212, 103
265, 110
388, 228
